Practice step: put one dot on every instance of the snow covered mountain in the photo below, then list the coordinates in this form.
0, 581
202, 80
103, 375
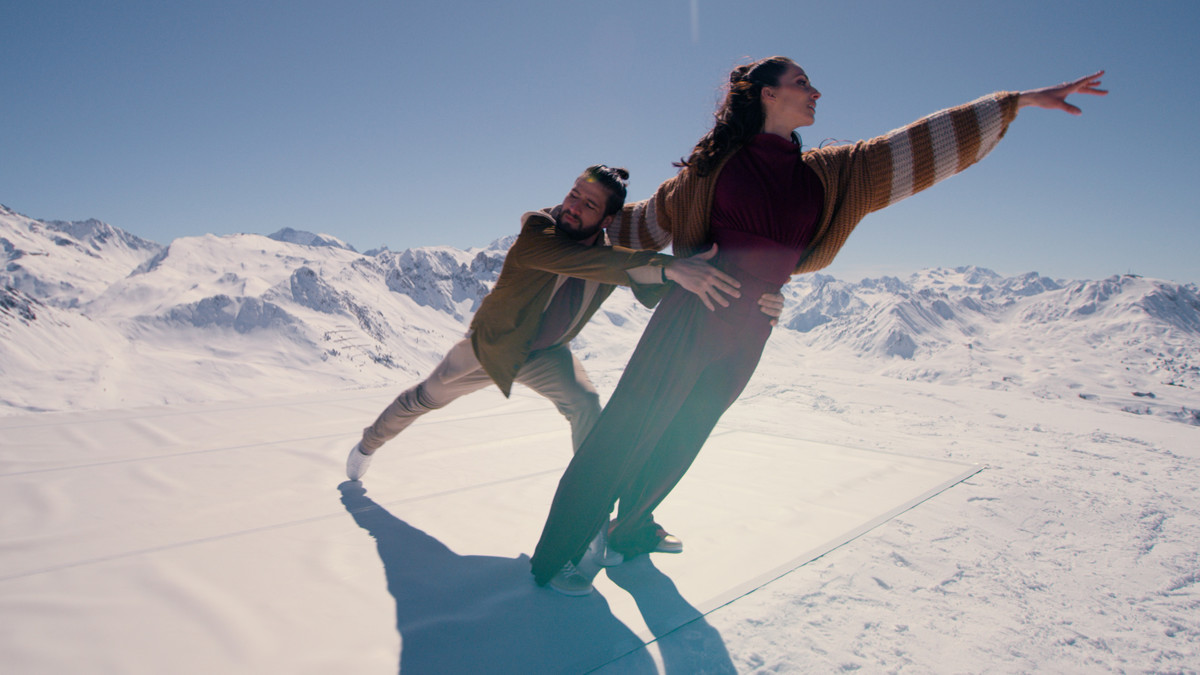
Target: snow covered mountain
1126, 335
66, 264
309, 239
209, 317
245, 315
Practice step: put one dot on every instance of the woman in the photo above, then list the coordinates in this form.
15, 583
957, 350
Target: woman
771, 211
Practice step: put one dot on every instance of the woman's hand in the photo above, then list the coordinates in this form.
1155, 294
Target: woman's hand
1055, 98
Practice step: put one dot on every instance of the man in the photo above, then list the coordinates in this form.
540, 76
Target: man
555, 276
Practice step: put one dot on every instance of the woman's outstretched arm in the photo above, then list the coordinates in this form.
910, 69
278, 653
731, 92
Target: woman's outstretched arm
1055, 98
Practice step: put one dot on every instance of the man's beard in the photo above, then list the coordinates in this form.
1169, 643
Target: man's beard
577, 235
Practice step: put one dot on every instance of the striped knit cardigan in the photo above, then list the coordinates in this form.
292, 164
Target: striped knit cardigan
859, 178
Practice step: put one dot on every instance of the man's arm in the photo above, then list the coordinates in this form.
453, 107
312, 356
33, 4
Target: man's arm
696, 275
540, 247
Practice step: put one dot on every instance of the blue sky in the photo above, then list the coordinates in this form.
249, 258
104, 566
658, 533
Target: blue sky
426, 123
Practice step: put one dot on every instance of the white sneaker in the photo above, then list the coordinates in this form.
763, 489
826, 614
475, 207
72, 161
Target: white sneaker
570, 581
601, 553
357, 463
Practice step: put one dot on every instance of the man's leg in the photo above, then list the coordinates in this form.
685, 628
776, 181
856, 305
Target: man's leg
459, 373
556, 374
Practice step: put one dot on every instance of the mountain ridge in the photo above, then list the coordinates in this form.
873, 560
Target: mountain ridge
236, 308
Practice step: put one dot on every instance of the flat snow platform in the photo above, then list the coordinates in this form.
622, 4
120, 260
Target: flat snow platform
222, 538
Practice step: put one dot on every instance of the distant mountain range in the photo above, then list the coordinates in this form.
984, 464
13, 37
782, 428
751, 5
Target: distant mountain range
117, 320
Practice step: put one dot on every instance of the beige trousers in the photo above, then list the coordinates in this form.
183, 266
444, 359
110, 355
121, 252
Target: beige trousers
554, 373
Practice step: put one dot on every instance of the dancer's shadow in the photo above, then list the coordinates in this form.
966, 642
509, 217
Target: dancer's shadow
686, 642
483, 614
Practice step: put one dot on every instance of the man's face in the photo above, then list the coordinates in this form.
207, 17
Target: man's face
583, 207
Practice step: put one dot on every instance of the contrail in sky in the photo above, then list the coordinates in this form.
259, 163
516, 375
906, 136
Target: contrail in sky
695, 21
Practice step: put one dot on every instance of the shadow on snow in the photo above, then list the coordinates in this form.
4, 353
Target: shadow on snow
484, 614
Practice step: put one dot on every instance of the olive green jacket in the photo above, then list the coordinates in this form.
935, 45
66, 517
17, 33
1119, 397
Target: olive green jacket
538, 263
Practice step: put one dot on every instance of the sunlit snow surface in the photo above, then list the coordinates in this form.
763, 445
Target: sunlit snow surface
176, 420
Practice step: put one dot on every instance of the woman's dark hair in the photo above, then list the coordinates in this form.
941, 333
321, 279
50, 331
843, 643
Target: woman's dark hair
741, 115
616, 180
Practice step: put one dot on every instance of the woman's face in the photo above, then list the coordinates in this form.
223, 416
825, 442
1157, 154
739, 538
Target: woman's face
792, 103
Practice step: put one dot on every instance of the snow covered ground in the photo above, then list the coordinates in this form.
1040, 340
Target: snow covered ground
162, 448
1076, 550
210, 537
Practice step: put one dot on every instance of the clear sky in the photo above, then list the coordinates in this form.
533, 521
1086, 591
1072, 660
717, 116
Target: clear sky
424, 123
